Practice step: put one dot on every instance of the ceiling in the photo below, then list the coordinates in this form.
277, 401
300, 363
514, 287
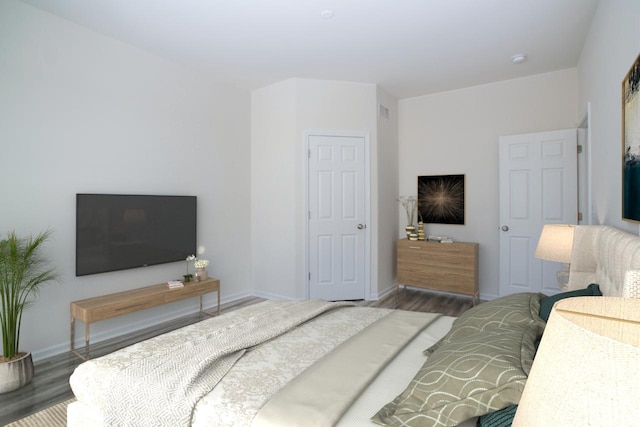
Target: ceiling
407, 47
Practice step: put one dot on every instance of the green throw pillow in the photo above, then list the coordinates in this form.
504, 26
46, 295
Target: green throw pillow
502, 418
466, 378
546, 303
508, 311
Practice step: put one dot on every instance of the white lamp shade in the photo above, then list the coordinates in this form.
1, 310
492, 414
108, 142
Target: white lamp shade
587, 369
556, 243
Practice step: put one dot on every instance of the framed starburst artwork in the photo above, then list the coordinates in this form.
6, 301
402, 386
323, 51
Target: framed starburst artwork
441, 199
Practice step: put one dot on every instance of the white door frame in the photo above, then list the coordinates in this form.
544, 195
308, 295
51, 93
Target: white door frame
584, 170
367, 198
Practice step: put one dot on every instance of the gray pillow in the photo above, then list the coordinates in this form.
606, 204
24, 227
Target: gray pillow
512, 310
468, 377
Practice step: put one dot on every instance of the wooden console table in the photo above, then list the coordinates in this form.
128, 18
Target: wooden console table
450, 267
104, 307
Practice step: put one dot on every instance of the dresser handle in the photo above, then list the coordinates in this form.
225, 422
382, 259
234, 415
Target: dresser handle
415, 247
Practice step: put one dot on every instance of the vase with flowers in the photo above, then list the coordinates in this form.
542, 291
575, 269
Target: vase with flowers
187, 277
201, 268
410, 205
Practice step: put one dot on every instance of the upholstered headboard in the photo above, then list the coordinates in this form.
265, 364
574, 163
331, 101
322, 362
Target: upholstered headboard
602, 255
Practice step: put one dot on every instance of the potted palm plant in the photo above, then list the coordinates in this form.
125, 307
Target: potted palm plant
22, 271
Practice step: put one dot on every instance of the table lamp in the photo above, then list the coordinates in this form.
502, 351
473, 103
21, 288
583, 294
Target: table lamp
556, 244
585, 372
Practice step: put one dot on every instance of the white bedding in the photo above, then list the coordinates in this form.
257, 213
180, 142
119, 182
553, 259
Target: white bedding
601, 254
394, 379
256, 376
262, 371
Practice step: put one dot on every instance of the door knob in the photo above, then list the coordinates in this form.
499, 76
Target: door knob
505, 228
361, 226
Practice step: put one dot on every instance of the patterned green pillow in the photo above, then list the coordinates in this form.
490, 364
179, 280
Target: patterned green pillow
508, 311
465, 378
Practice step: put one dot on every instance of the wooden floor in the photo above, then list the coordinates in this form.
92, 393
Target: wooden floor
50, 384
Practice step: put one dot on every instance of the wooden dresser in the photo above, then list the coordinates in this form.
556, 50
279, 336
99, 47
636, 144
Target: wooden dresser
449, 267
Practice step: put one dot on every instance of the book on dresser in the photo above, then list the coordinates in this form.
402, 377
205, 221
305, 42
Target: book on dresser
171, 284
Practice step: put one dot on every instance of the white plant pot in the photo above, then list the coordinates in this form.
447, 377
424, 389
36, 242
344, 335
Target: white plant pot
16, 373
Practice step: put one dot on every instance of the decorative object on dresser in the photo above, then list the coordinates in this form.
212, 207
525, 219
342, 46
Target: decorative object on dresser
22, 272
187, 277
409, 203
442, 267
201, 269
631, 143
112, 305
556, 244
441, 199
172, 284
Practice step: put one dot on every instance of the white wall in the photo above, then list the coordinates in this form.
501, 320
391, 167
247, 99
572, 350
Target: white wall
273, 205
281, 114
84, 113
387, 171
612, 45
80, 112
457, 132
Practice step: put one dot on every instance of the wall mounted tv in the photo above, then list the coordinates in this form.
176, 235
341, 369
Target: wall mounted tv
118, 232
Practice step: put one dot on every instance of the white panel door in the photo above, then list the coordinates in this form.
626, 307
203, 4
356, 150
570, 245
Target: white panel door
538, 185
337, 228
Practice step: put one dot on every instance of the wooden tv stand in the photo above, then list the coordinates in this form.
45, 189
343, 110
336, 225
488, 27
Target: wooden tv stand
104, 307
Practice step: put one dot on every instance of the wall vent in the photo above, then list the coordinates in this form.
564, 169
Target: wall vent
383, 111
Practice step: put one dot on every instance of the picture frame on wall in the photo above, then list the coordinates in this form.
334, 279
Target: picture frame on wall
631, 143
441, 199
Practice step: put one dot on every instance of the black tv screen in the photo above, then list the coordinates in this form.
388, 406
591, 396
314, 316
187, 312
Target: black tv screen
118, 232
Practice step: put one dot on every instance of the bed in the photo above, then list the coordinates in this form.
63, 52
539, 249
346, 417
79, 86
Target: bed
313, 363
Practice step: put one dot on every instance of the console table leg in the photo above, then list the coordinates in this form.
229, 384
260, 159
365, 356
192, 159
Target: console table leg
86, 341
476, 298
72, 334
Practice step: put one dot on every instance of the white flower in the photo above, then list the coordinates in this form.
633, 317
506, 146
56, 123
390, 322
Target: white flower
410, 205
201, 263
189, 258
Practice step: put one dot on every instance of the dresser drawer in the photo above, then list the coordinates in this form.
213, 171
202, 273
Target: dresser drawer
450, 267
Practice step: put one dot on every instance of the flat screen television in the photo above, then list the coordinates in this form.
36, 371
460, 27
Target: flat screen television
118, 232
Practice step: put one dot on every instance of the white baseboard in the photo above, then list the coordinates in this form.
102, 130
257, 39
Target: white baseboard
268, 295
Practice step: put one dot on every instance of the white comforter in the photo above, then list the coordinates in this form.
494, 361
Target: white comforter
258, 374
